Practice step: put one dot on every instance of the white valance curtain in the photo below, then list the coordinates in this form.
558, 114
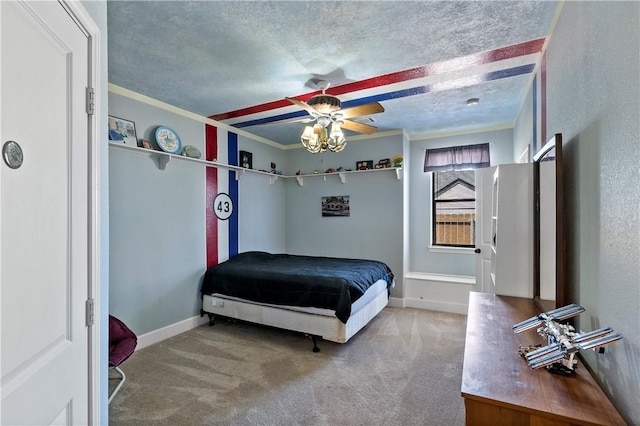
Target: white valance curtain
457, 158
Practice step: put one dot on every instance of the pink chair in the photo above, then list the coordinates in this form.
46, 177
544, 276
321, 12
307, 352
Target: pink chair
122, 343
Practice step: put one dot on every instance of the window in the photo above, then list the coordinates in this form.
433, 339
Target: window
453, 198
454, 202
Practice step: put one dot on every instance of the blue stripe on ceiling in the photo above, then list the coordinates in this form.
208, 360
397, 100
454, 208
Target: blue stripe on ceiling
273, 118
490, 76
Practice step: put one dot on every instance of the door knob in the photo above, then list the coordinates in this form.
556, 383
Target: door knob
477, 250
12, 153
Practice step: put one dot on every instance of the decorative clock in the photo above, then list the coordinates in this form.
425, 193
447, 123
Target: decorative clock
168, 140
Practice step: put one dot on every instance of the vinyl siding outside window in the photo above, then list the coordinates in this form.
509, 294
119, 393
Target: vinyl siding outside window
453, 208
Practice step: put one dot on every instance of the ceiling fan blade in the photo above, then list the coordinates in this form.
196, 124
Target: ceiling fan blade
311, 110
355, 126
366, 109
306, 119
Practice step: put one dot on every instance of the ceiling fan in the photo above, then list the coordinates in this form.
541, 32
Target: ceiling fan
326, 109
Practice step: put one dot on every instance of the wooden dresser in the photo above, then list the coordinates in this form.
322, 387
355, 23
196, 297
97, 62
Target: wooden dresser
500, 389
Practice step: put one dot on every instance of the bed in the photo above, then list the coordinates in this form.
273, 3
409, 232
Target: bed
323, 297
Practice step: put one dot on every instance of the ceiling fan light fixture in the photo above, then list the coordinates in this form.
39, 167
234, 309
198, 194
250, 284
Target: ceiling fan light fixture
326, 109
325, 104
316, 138
336, 130
309, 139
323, 120
323, 140
337, 141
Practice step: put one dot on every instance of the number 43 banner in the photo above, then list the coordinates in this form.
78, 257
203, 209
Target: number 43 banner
223, 206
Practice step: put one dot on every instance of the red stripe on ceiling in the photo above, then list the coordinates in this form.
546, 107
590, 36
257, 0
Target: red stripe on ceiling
254, 109
475, 59
444, 66
211, 182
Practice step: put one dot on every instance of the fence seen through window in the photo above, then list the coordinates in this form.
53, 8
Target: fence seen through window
453, 214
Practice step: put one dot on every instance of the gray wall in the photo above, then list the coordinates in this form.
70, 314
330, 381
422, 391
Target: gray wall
156, 224
157, 220
593, 93
374, 228
523, 128
262, 215
422, 259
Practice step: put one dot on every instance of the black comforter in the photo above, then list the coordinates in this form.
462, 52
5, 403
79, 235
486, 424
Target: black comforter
309, 281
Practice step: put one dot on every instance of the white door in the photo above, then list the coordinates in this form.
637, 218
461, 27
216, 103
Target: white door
484, 186
44, 218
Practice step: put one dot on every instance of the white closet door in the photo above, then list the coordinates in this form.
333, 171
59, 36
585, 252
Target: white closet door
484, 185
44, 210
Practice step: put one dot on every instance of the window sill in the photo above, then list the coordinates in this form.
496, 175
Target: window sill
456, 250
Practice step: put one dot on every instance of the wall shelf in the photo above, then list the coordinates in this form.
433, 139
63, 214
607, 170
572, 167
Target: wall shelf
343, 175
163, 158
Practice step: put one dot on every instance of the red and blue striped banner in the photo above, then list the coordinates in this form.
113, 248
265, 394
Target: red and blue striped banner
221, 235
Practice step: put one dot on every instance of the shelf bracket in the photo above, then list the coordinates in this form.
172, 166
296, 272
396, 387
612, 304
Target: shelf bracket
343, 177
162, 160
300, 180
273, 179
399, 173
239, 173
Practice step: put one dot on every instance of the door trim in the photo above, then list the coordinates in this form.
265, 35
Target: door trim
97, 399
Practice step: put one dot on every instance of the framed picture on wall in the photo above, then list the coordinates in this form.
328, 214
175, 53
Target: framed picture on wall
245, 159
122, 131
335, 206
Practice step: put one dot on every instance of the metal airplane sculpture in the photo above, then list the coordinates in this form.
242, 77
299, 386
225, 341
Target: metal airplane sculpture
563, 341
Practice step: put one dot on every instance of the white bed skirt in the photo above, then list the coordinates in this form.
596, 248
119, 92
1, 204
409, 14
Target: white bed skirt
313, 321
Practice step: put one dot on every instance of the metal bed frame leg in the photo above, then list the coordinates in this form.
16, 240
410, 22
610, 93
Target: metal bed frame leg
315, 343
210, 315
123, 378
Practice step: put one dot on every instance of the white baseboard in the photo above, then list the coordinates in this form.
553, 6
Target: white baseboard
437, 305
171, 330
442, 278
430, 305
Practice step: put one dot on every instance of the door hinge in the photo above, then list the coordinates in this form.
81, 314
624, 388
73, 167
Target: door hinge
91, 98
89, 309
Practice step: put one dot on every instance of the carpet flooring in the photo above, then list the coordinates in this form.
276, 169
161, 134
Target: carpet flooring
403, 368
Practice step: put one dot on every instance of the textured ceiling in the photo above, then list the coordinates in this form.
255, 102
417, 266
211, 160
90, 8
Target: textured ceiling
420, 60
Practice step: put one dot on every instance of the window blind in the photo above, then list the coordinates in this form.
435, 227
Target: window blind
457, 158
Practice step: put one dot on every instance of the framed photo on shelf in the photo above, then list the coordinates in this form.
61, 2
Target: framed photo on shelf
146, 144
335, 206
245, 159
364, 165
383, 164
122, 131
